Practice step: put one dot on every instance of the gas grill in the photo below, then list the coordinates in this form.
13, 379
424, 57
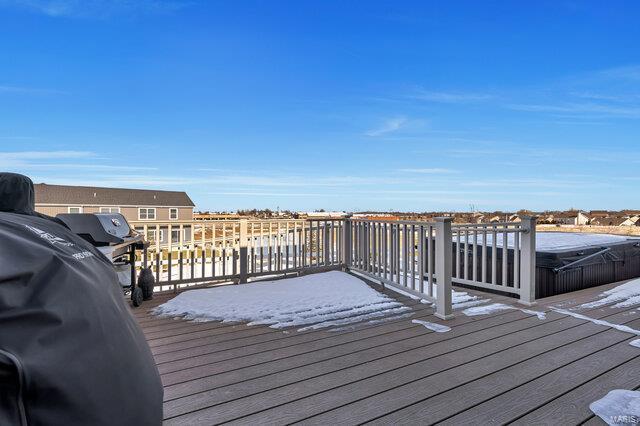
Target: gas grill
111, 234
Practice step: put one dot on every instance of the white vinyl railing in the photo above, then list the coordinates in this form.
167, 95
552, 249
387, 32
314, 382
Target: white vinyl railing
420, 258
241, 249
405, 255
496, 256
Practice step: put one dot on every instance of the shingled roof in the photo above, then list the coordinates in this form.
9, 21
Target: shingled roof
89, 195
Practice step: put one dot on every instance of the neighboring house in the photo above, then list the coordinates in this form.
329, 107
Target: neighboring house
615, 221
143, 208
593, 214
515, 218
571, 218
546, 218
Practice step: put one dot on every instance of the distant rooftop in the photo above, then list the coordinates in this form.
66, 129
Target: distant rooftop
90, 195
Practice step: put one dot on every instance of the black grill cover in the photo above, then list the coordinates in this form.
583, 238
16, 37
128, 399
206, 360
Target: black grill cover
71, 352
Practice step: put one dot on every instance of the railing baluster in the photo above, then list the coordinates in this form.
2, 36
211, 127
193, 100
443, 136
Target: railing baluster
234, 259
158, 267
458, 275
175, 288
204, 262
431, 260
516, 260
494, 256
193, 263
466, 254
224, 261
474, 254
484, 254
505, 257
413, 256
421, 257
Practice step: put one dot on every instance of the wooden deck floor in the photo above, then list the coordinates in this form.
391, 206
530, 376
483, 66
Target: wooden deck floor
507, 367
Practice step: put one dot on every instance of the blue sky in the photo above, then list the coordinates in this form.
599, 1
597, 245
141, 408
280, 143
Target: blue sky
394, 105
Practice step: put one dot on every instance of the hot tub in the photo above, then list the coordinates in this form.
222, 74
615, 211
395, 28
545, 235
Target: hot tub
568, 262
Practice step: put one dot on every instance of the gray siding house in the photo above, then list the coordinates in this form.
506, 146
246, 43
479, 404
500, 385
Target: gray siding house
143, 208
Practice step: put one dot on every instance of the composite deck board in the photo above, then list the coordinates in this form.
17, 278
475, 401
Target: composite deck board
289, 346
501, 333
280, 365
375, 396
574, 405
290, 381
518, 402
488, 388
322, 383
396, 372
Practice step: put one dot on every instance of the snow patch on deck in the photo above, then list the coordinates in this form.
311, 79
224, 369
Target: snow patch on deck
496, 307
618, 327
623, 296
438, 328
619, 406
635, 343
311, 302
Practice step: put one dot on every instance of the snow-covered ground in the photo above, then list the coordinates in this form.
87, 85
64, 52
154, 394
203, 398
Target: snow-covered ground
549, 241
618, 407
308, 302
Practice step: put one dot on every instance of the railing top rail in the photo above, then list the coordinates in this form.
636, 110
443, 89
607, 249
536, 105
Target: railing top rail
294, 220
164, 222
488, 225
401, 222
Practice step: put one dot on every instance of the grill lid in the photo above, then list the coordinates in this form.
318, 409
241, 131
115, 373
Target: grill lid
100, 228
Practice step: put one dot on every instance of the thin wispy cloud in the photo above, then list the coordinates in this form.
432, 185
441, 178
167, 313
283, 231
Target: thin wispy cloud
29, 90
92, 167
429, 171
389, 126
95, 8
271, 194
581, 108
450, 97
44, 155
630, 72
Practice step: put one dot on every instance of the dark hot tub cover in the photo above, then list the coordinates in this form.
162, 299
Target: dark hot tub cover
71, 352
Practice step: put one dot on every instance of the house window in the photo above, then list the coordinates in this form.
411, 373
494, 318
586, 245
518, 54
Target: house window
175, 235
146, 214
75, 210
173, 214
109, 209
151, 235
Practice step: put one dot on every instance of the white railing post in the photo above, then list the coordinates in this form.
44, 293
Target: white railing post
326, 243
444, 253
346, 244
243, 250
528, 261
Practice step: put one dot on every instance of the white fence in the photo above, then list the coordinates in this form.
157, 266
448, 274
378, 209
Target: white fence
421, 258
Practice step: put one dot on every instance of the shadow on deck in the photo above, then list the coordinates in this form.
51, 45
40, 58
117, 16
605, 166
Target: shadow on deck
504, 367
